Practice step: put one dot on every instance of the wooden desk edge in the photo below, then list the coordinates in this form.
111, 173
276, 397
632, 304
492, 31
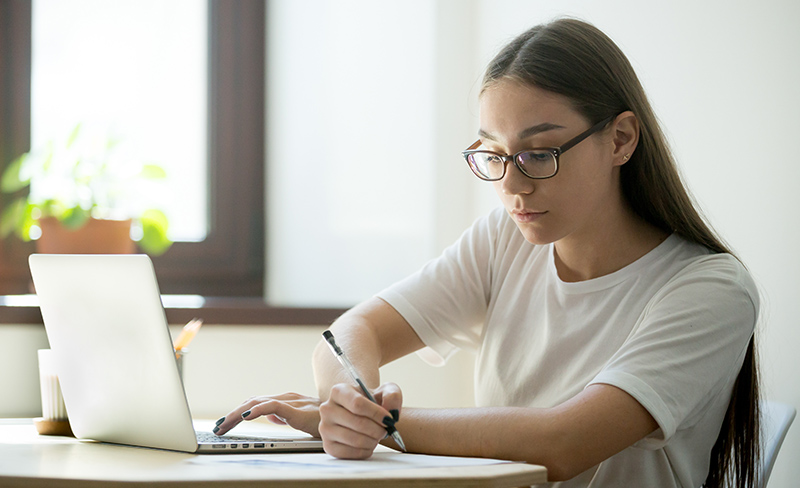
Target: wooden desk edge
517, 475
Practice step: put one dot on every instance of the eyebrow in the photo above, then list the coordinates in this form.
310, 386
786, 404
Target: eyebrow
530, 131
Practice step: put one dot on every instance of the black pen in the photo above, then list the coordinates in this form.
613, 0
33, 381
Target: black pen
348, 366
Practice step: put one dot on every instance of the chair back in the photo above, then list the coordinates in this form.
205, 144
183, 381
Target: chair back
775, 421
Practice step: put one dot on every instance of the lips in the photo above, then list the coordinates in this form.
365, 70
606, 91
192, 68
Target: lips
526, 216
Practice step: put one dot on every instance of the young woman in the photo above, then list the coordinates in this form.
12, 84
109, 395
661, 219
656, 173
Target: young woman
614, 331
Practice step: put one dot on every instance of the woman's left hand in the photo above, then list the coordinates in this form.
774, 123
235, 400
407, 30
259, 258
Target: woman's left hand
298, 411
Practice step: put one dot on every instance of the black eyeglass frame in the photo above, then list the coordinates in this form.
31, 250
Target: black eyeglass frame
555, 151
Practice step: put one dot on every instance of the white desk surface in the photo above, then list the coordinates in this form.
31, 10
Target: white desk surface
30, 460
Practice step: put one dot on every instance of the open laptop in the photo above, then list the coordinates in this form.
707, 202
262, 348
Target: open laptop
119, 377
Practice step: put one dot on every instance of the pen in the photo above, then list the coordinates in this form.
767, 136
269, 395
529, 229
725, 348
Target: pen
348, 366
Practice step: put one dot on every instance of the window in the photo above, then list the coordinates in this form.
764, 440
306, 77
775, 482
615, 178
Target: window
147, 91
229, 260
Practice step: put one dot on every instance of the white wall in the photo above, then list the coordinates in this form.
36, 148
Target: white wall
228, 364
19, 370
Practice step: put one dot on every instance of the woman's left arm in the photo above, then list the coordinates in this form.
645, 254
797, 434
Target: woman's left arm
567, 439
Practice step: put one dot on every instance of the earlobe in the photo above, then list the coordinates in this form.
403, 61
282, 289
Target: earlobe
626, 136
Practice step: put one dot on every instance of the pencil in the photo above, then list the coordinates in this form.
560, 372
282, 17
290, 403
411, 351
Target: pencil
187, 334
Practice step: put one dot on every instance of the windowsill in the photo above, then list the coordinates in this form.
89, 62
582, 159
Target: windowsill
24, 309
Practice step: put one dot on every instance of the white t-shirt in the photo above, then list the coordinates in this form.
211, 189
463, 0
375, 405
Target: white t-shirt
671, 329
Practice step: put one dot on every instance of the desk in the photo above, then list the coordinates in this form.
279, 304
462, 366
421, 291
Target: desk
30, 460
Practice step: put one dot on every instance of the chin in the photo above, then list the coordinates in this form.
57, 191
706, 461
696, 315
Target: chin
535, 237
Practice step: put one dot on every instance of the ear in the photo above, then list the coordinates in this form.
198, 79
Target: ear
625, 135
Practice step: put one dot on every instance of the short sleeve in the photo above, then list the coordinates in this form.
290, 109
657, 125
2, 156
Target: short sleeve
689, 344
446, 301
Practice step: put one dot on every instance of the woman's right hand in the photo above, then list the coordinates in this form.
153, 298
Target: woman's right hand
351, 426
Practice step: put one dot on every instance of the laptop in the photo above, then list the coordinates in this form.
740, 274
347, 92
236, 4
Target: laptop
119, 376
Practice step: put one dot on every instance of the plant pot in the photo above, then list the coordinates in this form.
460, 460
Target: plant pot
95, 237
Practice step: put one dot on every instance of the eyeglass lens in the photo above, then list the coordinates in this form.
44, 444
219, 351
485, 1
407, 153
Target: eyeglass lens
535, 164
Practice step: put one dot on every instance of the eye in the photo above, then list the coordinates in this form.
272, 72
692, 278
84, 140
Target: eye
535, 157
493, 159
538, 163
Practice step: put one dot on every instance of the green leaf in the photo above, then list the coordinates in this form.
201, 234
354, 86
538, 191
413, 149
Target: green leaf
16, 218
74, 218
155, 217
51, 208
154, 232
47, 161
73, 136
153, 172
112, 142
12, 180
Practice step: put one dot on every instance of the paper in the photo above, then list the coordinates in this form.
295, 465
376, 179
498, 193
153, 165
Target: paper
379, 461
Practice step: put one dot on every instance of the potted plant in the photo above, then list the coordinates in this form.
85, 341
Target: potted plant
82, 184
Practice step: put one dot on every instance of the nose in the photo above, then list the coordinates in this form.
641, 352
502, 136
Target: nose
514, 182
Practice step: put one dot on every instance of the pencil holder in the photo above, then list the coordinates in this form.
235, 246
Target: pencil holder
179, 355
54, 419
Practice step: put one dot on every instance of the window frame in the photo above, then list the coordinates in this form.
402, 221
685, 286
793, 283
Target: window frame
231, 260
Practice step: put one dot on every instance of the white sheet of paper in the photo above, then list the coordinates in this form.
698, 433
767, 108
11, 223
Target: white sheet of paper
323, 462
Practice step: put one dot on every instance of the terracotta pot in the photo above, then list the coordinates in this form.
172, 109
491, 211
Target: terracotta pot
96, 237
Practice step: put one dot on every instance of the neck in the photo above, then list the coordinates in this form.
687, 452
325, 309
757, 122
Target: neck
609, 248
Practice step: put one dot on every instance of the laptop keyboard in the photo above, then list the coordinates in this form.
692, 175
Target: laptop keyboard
209, 437
243, 441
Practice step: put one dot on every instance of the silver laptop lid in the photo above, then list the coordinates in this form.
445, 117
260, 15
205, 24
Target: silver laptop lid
108, 332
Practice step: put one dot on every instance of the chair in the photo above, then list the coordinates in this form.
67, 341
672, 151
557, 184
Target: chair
775, 421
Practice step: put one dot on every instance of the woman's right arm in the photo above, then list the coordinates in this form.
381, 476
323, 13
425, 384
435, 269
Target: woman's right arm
372, 334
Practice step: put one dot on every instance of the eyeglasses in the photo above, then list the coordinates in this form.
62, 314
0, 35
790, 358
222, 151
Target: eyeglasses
538, 163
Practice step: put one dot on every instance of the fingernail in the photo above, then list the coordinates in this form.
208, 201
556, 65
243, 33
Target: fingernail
216, 429
395, 414
246, 414
388, 422
219, 422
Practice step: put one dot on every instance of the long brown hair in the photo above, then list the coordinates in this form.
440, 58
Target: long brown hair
572, 58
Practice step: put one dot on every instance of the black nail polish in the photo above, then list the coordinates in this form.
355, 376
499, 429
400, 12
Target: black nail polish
388, 422
395, 414
216, 429
219, 422
246, 414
